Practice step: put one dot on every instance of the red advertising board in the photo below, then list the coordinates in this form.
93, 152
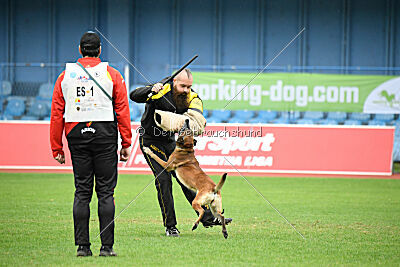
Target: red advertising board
251, 149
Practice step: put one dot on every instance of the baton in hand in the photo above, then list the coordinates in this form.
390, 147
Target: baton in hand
174, 75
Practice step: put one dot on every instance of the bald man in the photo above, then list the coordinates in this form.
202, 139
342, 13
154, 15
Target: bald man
167, 108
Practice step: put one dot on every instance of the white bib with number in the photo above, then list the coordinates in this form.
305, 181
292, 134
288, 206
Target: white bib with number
84, 100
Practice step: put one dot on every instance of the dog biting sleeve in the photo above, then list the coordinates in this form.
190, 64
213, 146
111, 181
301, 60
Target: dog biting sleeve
173, 122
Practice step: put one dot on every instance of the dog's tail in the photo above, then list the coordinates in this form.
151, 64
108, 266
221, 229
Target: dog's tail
221, 183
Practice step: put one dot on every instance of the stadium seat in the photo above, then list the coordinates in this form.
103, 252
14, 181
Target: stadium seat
396, 150
1, 105
337, 116
362, 117
266, 116
305, 121
5, 89
257, 120
384, 117
352, 122
237, 120
15, 106
29, 118
313, 115
6, 117
292, 116
328, 122
242, 115
38, 109
281, 121
213, 120
137, 119
221, 115
45, 92
134, 111
141, 107
376, 123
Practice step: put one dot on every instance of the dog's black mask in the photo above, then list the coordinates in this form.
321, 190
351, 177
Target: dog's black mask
185, 128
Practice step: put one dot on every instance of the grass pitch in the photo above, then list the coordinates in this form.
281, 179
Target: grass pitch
345, 221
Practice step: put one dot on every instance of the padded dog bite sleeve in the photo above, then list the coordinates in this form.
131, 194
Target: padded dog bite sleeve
173, 122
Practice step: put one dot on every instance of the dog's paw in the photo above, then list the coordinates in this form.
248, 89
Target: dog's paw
147, 150
225, 233
195, 226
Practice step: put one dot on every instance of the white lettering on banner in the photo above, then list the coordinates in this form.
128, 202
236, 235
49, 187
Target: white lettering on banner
259, 161
278, 92
219, 160
251, 93
227, 145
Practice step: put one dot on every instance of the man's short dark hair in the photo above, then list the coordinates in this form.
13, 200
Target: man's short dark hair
90, 44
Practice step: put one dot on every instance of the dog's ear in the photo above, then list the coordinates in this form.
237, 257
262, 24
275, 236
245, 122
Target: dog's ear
194, 142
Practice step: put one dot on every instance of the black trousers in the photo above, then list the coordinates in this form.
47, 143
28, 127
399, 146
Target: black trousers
97, 161
163, 181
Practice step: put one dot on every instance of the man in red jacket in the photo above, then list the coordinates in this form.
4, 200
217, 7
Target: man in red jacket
90, 103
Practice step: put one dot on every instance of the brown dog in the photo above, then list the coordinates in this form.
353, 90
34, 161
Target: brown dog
188, 171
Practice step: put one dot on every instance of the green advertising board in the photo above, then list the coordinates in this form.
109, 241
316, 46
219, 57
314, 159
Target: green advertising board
299, 91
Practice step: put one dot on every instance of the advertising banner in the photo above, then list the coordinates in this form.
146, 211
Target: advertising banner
249, 149
299, 91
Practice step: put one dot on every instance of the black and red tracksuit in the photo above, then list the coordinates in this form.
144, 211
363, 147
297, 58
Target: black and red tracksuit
93, 155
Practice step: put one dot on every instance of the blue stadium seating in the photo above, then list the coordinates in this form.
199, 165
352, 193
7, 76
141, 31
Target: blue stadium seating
291, 116
1, 105
220, 115
29, 118
362, 117
313, 115
46, 118
15, 106
237, 120
5, 89
214, 120
257, 120
266, 116
281, 121
352, 122
305, 121
337, 116
376, 123
328, 122
39, 109
242, 116
206, 113
396, 150
6, 117
134, 111
45, 92
384, 117
141, 107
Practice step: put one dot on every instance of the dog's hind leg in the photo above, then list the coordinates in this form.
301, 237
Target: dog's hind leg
197, 207
216, 209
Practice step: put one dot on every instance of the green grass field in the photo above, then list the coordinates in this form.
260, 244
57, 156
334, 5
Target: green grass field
345, 221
